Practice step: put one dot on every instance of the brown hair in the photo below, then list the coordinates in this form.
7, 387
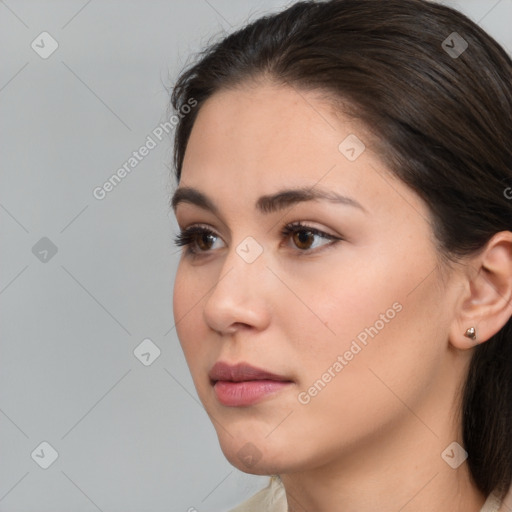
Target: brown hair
440, 107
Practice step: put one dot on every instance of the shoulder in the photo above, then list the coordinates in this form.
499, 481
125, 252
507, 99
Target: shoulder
270, 499
496, 502
273, 499
506, 505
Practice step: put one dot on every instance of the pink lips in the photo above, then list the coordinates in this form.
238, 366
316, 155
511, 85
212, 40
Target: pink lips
242, 384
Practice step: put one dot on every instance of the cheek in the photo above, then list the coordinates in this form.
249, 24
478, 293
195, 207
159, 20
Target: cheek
361, 327
336, 308
180, 299
186, 308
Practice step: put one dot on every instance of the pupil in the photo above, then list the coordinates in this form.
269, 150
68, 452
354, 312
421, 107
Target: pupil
303, 237
203, 241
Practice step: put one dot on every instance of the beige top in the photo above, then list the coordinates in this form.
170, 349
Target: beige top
273, 499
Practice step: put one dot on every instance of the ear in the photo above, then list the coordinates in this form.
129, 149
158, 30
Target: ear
486, 303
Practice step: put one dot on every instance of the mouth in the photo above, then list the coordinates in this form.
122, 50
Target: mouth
243, 385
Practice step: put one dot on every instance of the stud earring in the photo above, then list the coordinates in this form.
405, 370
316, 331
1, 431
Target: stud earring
471, 333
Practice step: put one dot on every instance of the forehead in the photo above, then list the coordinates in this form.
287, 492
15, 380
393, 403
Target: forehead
253, 141
266, 110
270, 130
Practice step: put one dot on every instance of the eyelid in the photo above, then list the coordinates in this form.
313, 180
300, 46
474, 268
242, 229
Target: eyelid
183, 238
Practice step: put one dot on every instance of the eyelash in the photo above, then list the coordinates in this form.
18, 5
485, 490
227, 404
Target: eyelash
188, 236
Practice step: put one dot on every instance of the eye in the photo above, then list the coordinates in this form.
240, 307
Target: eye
193, 237
302, 235
203, 238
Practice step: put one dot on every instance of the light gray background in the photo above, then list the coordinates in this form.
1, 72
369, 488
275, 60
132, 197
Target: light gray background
129, 437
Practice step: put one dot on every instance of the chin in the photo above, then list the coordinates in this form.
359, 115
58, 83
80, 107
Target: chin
254, 457
254, 465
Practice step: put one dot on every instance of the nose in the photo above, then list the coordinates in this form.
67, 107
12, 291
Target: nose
241, 296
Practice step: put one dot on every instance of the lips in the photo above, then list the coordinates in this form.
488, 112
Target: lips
244, 385
241, 372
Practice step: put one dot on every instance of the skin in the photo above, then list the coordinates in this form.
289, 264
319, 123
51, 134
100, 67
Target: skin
374, 434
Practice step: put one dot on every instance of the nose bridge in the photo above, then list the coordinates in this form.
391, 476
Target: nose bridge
249, 250
238, 295
244, 259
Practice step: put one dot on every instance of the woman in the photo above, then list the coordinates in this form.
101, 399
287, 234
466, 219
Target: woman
344, 295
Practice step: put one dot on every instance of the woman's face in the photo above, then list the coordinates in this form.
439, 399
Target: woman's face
357, 325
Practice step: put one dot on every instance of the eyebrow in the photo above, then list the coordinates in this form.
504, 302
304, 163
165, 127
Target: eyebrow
268, 203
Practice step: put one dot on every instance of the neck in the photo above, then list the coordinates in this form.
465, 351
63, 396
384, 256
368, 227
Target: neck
404, 476
399, 469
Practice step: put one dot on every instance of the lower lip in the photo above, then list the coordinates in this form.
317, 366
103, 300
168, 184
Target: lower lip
247, 392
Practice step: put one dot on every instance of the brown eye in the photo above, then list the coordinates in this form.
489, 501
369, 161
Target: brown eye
303, 239
196, 240
200, 240
204, 241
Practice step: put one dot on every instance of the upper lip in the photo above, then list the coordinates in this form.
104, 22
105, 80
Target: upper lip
241, 372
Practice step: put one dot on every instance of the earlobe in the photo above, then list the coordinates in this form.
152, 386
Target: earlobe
487, 302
